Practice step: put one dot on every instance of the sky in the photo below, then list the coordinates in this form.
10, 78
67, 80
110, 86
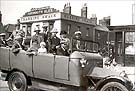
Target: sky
119, 10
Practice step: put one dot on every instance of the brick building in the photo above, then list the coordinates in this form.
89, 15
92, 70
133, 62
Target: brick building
49, 18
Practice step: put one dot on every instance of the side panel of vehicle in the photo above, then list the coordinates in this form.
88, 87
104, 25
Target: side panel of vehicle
22, 62
57, 69
61, 67
43, 66
4, 58
49, 67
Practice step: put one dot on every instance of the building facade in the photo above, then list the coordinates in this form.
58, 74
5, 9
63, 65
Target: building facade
49, 18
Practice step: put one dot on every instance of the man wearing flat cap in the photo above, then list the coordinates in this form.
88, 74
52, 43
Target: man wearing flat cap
54, 41
63, 49
3, 42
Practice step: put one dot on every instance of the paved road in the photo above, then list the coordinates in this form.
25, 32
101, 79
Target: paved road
4, 86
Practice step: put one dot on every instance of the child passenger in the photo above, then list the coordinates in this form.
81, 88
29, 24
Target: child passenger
42, 48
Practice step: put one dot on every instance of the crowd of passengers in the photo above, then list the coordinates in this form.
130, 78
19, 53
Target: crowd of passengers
40, 43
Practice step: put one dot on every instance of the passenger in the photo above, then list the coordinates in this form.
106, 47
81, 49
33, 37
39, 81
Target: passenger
33, 49
3, 42
17, 34
45, 33
17, 46
64, 49
37, 38
63, 36
42, 48
54, 41
77, 43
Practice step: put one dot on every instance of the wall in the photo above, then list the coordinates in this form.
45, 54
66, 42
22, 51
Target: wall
74, 27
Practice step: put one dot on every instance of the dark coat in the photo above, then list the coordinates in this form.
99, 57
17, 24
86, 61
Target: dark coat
53, 42
78, 44
3, 43
61, 51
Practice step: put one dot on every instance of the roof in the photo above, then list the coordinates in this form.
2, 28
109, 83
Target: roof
102, 28
122, 28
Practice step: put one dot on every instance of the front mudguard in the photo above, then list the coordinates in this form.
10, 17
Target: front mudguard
123, 80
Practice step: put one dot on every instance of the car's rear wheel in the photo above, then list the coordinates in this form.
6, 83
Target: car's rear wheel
17, 82
113, 86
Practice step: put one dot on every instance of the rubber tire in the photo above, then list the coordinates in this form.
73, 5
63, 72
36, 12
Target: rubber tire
114, 84
14, 76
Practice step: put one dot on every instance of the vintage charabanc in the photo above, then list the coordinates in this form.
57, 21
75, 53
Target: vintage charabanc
81, 71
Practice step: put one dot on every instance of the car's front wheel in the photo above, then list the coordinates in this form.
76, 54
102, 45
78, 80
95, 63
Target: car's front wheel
113, 86
17, 82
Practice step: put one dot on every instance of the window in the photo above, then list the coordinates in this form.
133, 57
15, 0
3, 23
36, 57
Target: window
29, 31
69, 28
130, 43
78, 28
130, 49
87, 32
51, 26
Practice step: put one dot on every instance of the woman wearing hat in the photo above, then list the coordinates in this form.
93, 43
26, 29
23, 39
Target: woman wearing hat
77, 43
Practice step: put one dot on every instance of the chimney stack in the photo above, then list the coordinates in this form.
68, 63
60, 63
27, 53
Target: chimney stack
67, 8
94, 19
84, 11
106, 21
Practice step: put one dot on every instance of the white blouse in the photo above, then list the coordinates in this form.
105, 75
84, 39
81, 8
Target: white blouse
42, 50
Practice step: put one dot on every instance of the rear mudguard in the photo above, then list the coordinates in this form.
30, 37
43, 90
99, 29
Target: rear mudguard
123, 80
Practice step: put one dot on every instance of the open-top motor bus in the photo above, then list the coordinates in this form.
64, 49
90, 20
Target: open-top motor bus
81, 71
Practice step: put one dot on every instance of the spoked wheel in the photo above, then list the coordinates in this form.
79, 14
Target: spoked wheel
113, 86
17, 82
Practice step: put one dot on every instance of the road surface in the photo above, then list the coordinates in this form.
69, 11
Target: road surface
4, 86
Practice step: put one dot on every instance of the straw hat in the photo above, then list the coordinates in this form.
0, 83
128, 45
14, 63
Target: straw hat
42, 43
2, 34
37, 29
77, 32
54, 30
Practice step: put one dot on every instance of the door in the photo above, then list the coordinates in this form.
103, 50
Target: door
43, 66
22, 62
118, 47
61, 67
129, 49
4, 58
